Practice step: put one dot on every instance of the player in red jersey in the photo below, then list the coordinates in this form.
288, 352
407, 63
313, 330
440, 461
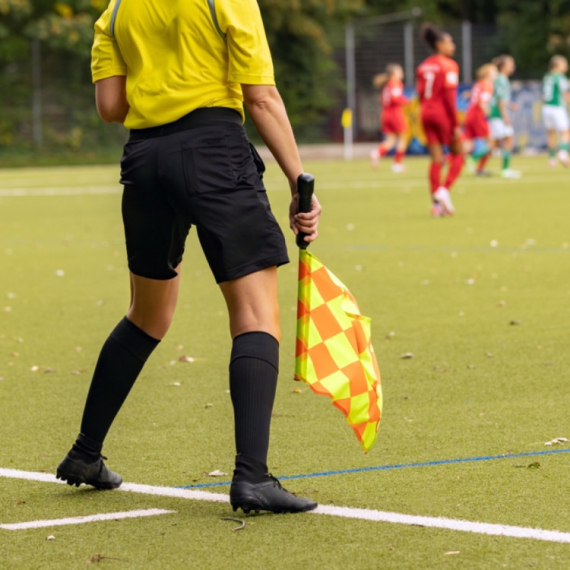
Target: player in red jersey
393, 121
437, 82
476, 131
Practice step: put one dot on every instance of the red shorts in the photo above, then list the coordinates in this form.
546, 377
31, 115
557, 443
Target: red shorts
394, 122
438, 128
476, 125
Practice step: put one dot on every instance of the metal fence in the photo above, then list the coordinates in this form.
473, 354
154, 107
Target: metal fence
368, 47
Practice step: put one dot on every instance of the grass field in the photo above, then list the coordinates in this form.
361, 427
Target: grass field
482, 300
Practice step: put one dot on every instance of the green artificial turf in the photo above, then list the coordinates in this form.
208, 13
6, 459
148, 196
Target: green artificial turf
482, 300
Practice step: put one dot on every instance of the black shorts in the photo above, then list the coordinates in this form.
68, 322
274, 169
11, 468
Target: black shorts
202, 171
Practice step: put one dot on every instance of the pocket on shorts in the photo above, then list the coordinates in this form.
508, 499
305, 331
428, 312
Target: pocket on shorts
207, 161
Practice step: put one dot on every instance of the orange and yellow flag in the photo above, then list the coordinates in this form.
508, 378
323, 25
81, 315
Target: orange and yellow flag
334, 353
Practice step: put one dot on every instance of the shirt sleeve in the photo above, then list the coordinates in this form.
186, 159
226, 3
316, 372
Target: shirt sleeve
248, 51
106, 58
451, 80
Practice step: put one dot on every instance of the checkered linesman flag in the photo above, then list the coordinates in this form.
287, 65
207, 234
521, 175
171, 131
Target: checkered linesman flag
334, 353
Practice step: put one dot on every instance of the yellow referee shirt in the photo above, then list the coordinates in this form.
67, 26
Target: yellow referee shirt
178, 58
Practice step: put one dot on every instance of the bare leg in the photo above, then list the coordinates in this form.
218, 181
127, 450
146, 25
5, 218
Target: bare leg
252, 303
153, 303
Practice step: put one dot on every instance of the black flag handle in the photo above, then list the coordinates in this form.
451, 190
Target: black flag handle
305, 189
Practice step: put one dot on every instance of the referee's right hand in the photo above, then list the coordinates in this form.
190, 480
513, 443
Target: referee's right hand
306, 223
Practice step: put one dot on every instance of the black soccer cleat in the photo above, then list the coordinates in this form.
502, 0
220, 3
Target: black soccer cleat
268, 495
77, 470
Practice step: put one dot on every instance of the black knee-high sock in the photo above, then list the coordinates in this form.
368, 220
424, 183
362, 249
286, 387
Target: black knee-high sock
254, 368
121, 360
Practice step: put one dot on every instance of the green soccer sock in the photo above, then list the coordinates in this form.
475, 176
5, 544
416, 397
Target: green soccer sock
506, 159
552, 153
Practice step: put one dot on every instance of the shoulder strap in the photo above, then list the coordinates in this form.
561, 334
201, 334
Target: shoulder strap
212, 5
114, 18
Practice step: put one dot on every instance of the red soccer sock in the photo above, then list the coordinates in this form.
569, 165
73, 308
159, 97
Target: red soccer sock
484, 159
435, 176
399, 156
382, 150
457, 162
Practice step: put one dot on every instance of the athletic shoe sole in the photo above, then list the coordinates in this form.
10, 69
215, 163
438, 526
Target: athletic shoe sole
74, 480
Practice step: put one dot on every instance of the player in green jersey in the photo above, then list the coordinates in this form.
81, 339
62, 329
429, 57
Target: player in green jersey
555, 99
500, 122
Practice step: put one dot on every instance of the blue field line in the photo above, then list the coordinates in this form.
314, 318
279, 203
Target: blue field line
396, 466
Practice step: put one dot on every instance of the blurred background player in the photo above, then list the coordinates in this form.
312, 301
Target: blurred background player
554, 111
500, 122
437, 82
476, 131
392, 120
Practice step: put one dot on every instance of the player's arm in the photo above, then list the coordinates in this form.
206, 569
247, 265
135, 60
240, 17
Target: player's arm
268, 114
451, 83
111, 99
503, 109
108, 70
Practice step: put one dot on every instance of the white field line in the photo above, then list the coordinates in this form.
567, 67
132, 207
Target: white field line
86, 519
59, 191
343, 512
339, 185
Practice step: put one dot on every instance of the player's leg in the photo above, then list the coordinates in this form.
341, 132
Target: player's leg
563, 128
508, 147
457, 162
552, 144
437, 159
401, 146
383, 148
155, 236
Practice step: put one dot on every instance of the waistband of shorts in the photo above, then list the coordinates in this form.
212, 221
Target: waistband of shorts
197, 118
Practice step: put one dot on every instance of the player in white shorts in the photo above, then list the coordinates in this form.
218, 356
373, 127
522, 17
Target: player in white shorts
500, 122
555, 99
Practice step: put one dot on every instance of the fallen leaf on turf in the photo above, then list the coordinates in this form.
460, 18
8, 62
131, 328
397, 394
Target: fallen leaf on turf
78, 349
489, 354
78, 372
515, 323
557, 441
48, 370
216, 473
407, 355
209, 406
185, 358
180, 347
34, 368
1, 378
502, 304
20, 502
50, 537
535, 465
100, 302
175, 384
390, 335
452, 552
297, 391
15, 354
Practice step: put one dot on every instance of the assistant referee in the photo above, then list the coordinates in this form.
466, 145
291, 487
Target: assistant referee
177, 75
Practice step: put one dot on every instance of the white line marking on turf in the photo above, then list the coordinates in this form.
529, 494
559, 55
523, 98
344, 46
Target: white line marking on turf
343, 512
86, 519
353, 185
57, 191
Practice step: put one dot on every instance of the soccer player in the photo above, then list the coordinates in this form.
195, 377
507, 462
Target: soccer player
554, 110
501, 123
393, 121
476, 130
188, 162
437, 82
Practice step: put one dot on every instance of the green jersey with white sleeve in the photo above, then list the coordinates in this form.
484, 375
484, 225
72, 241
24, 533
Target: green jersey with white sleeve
554, 87
502, 92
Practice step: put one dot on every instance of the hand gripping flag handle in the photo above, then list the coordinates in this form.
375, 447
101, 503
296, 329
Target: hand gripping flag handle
305, 189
